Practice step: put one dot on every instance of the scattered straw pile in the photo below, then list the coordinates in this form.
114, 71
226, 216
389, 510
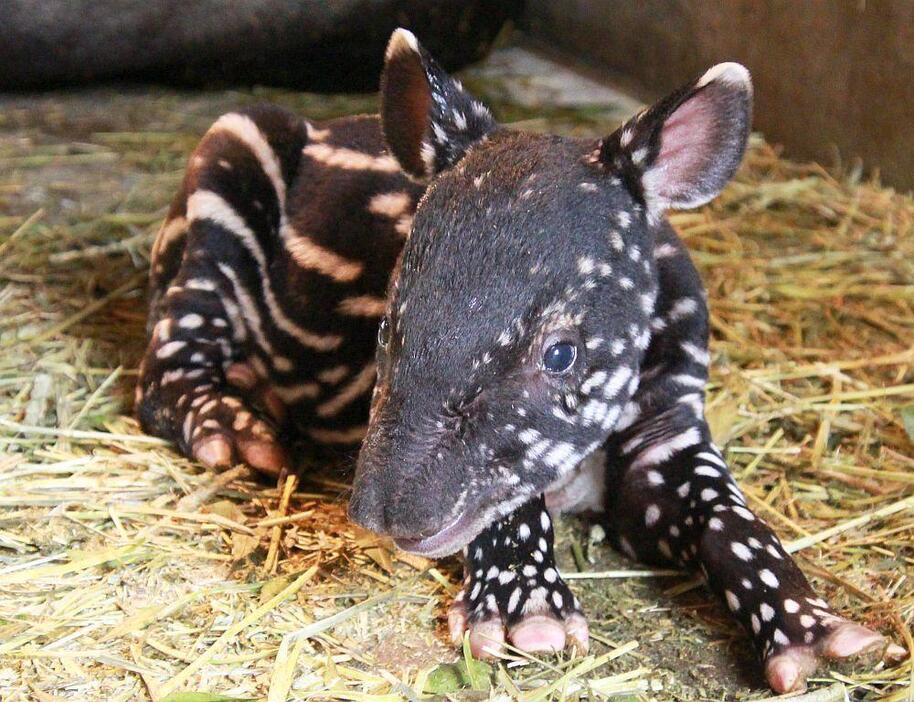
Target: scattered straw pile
127, 573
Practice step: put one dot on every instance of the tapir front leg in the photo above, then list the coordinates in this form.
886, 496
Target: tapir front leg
197, 388
512, 589
205, 381
678, 502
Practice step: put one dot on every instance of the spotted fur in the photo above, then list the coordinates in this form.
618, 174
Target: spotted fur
510, 569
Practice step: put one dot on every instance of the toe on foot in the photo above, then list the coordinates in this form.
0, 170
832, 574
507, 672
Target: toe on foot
788, 670
849, 639
895, 654
577, 633
538, 634
214, 451
487, 638
266, 456
457, 620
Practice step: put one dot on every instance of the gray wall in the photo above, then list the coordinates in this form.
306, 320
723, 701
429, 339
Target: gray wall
827, 73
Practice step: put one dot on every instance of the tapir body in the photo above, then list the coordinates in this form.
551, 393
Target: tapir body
520, 318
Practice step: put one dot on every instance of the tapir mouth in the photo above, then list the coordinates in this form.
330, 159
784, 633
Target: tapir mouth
450, 538
464, 527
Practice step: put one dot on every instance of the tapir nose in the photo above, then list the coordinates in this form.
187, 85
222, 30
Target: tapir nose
366, 508
397, 512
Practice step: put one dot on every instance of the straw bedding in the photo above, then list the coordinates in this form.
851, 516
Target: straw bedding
128, 573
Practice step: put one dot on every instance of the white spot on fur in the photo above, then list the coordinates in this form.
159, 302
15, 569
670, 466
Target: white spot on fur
665, 251
513, 600
699, 355
768, 578
654, 478
661, 452
170, 349
651, 515
709, 494
190, 321
616, 382
741, 551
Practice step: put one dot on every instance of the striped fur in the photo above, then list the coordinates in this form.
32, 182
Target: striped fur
288, 242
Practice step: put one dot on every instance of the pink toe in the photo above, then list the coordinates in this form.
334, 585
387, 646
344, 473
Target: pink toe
214, 451
784, 674
538, 633
456, 622
486, 638
849, 639
895, 653
577, 633
265, 456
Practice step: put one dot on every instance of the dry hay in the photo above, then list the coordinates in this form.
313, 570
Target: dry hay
127, 574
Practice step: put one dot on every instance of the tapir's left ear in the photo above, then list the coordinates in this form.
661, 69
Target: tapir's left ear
429, 120
682, 151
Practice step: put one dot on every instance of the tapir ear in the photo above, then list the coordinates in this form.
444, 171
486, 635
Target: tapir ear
429, 120
681, 152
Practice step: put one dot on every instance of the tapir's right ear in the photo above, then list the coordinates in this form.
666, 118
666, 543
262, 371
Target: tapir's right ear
429, 120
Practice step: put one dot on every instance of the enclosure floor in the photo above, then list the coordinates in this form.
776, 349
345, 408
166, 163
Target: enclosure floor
122, 579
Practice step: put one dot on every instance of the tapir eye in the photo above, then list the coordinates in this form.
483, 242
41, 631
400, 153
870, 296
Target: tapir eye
559, 357
384, 332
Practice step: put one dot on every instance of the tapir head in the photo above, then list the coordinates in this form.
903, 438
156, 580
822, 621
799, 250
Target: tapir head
521, 308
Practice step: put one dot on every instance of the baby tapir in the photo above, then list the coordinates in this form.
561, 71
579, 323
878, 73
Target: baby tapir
542, 342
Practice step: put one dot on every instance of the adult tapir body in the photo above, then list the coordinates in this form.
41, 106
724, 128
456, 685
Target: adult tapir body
514, 306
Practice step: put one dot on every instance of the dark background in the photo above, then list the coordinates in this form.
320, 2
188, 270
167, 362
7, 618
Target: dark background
834, 78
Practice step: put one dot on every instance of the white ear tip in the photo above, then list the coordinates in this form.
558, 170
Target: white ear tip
729, 73
401, 40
